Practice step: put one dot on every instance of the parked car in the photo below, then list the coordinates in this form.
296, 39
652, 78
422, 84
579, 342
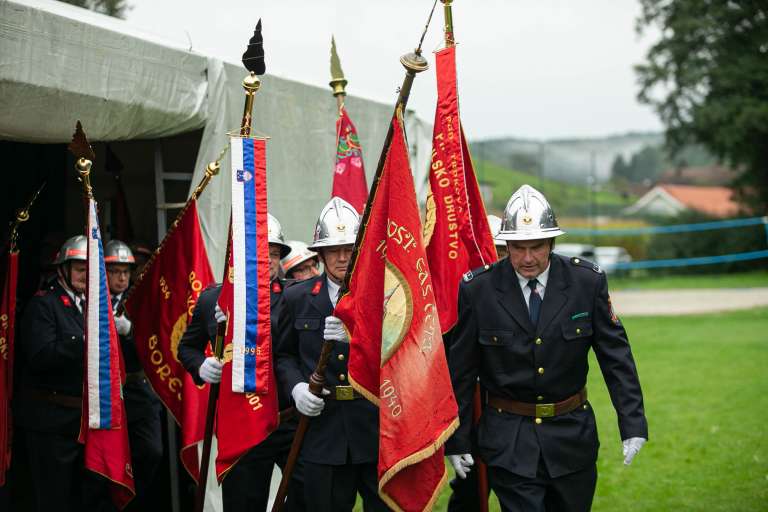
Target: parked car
608, 256
585, 251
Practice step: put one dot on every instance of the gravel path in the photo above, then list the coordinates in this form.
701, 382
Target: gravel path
681, 302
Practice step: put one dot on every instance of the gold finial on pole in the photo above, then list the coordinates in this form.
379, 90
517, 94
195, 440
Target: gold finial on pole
22, 215
448, 29
83, 166
251, 84
338, 83
81, 148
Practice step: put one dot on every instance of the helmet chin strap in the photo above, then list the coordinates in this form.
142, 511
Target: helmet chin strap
65, 277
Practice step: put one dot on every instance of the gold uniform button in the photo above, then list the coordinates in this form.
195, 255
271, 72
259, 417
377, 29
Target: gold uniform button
539, 398
495, 339
585, 407
538, 421
342, 377
541, 371
539, 341
576, 260
340, 357
306, 326
578, 331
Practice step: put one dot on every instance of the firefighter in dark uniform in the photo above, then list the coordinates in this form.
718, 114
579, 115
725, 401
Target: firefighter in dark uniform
246, 486
142, 406
48, 403
340, 449
525, 327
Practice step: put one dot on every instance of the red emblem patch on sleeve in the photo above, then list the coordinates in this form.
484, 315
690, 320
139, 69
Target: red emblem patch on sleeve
316, 289
65, 300
614, 318
276, 288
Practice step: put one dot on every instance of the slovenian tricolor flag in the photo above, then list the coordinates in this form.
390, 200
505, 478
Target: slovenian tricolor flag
103, 374
245, 292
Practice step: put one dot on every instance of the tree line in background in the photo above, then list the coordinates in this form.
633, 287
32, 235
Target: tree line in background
707, 77
114, 8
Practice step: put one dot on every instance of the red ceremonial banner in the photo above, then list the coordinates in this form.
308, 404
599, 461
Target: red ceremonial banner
244, 419
160, 307
397, 359
349, 174
461, 238
7, 325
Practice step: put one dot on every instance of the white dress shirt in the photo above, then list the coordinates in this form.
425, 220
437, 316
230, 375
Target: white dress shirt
333, 291
540, 287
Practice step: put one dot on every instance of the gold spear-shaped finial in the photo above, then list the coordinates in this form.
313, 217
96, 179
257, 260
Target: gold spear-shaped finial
338, 82
81, 148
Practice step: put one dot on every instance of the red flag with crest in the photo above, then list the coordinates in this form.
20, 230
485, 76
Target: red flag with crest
397, 359
460, 238
7, 325
349, 173
160, 306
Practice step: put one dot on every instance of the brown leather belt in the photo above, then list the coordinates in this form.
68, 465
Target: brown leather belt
343, 393
135, 377
53, 397
539, 410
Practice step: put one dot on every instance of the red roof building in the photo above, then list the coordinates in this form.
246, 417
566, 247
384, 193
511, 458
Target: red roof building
670, 200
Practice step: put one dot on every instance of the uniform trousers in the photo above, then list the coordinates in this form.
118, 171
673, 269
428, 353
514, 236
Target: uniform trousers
464, 493
334, 488
146, 442
568, 493
60, 479
246, 487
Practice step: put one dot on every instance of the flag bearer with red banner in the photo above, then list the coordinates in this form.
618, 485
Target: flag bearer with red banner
340, 449
458, 234
246, 485
349, 173
142, 406
70, 390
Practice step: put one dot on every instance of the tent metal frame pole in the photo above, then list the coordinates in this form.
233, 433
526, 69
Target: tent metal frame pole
162, 219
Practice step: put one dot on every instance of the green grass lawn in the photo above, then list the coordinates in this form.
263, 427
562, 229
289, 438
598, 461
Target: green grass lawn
758, 278
705, 382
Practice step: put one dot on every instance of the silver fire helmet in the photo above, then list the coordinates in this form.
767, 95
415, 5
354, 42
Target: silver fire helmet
118, 252
299, 254
74, 249
275, 235
337, 225
528, 216
494, 222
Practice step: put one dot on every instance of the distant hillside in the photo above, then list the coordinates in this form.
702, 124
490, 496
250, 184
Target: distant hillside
568, 160
568, 200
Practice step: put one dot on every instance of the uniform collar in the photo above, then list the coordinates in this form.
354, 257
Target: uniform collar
541, 278
333, 290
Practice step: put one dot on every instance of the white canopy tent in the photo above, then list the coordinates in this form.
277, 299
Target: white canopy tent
60, 63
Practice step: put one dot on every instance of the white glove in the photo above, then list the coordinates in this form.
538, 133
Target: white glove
631, 448
334, 330
461, 464
123, 325
219, 314
210, 370
307, 402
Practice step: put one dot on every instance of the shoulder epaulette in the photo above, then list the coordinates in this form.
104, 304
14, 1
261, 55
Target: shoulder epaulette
581, 262
475, 272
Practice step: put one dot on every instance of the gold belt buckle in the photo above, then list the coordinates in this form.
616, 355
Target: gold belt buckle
345, 393
545, 410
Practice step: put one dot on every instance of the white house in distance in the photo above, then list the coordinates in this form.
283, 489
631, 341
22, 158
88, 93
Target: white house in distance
670, 200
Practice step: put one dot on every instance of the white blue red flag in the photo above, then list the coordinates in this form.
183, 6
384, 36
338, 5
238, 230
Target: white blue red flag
247, 410
248, 307
104, 429
103, 378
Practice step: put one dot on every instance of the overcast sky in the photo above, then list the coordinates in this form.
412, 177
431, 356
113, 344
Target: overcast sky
527, 68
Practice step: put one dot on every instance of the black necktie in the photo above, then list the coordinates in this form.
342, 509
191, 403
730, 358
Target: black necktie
534, 303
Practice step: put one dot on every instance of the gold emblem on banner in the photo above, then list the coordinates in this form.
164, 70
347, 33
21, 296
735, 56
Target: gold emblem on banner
176, 333
398, 311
